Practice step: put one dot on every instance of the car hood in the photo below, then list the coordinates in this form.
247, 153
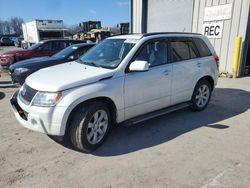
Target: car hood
32, 62
14, 52
66, 76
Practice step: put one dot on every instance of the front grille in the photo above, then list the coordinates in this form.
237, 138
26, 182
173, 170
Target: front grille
27, 93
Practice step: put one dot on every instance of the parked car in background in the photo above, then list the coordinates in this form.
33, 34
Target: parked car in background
41, 49
6, 41
22, 69
126, 78
17, 41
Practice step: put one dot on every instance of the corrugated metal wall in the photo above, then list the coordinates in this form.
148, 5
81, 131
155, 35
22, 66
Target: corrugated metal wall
236, 26
158, 14
166, 15
137, 16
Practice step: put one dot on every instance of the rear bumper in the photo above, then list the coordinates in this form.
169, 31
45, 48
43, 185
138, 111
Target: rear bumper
36, 118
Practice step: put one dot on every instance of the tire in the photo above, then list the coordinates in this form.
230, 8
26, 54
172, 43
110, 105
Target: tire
90, 126
201, 95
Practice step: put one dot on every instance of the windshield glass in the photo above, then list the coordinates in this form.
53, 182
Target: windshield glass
95, 25
107, 54
65, 52
35, 45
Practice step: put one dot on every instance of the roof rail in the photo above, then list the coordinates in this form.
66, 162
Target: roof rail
158, 33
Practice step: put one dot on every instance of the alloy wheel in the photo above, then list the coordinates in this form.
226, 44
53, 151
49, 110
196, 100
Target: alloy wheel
202, 96
97, 127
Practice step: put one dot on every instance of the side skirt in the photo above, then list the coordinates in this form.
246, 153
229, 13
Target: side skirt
154, 114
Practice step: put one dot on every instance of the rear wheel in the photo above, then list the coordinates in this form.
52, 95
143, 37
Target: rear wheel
201, 95
90, 126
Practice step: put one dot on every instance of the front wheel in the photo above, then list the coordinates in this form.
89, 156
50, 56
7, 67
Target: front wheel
201, 95
90, 126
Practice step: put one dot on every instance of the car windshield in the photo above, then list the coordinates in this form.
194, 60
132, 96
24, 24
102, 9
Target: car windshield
65, 52
35, 46
107, 54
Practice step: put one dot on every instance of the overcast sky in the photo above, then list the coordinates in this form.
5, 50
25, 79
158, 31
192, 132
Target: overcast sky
72, 12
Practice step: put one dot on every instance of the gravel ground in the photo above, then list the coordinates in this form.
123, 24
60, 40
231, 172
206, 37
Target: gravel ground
8, 48
181, 149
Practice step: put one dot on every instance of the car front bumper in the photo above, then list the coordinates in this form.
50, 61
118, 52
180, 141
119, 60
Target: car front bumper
38, 118
17, 78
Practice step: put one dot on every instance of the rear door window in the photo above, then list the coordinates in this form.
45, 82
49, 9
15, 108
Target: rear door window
182, 49
192, 50
202, 47
59, 45
46, 46
179, 50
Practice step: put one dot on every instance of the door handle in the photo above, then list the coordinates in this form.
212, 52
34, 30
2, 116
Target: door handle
166, 72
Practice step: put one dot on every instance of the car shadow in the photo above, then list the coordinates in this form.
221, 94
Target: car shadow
2, 95
225, 103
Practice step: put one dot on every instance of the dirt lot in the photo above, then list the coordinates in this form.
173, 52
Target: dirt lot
182, 149
8, 48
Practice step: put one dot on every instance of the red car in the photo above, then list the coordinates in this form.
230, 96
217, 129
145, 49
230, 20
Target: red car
41, 49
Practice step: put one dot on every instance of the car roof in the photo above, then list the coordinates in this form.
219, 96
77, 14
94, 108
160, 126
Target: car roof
83, 44
169, 33
141, 35
48, 40
128, 36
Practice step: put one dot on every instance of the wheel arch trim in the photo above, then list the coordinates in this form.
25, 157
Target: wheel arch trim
76, 104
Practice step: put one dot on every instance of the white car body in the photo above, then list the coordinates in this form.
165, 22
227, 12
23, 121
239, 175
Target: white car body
133, 94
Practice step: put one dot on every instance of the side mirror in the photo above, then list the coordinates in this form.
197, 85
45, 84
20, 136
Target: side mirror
71, 57
138, 66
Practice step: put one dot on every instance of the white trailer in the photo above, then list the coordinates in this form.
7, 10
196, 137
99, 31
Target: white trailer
38, 30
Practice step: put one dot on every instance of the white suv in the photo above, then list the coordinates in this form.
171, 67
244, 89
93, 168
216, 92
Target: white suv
128, 78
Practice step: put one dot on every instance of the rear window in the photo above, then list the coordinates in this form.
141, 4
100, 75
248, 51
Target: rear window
202, 47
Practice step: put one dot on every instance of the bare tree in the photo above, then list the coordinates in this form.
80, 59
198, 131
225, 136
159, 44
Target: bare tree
7, 27
16, 24
74, 29
1, 27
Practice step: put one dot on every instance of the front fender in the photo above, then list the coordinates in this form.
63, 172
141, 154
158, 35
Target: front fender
110, 88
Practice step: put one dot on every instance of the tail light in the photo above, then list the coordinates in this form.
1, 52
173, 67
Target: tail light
217, 60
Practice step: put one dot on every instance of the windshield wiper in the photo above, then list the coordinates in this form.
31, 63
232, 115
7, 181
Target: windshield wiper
79, 60
91, 63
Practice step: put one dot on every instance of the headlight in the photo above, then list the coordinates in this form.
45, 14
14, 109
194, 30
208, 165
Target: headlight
7, 55
21, 70
47, 99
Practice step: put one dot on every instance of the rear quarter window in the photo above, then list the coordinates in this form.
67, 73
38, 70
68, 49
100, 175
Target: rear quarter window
202, 47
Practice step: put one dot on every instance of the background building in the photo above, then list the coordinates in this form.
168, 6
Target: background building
220, 20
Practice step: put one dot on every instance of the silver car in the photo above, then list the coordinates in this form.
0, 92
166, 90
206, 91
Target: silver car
127, 78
